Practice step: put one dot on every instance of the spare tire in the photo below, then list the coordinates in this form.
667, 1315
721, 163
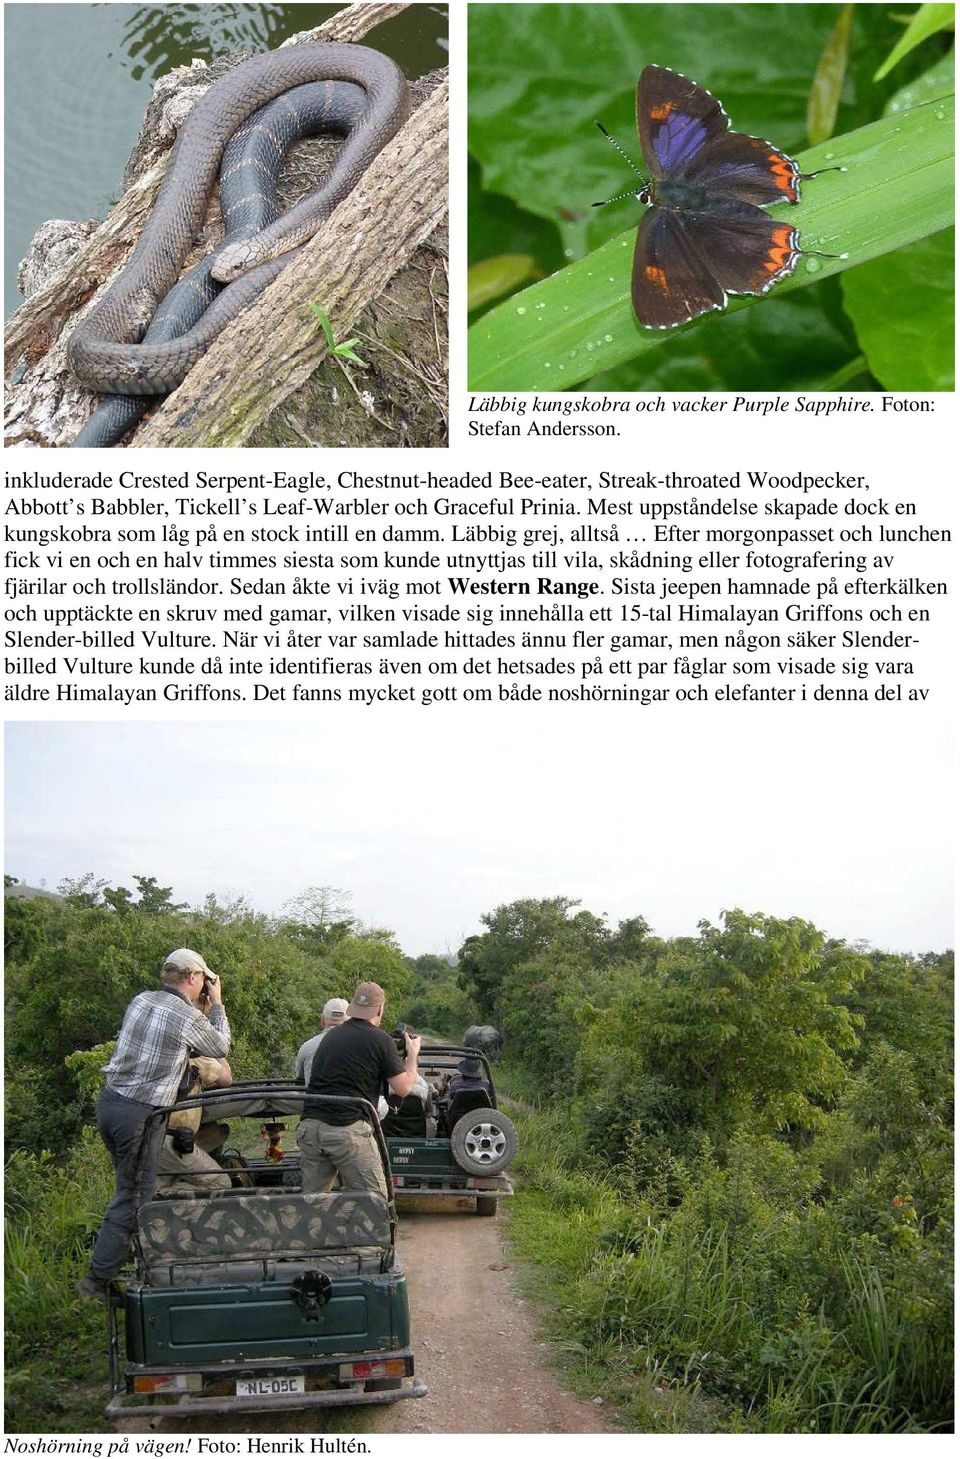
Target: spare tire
483, 1141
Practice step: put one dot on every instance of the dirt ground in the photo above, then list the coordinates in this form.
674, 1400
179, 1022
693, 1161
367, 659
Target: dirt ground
475, 1340
475, 1343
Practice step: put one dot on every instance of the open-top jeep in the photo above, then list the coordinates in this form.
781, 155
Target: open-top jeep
454, 1145
258, 1296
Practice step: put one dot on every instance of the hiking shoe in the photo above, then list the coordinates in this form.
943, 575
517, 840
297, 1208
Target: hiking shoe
96, 1288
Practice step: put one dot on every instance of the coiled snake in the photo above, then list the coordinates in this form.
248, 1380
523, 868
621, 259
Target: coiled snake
105, 350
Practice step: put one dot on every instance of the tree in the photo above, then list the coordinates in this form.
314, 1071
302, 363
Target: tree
907, 1003
82, 891
429, 967
120, 899
355, 960
517, 932
318, 917
748, 1026
155, 899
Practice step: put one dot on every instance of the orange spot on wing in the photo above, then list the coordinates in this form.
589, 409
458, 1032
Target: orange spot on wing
783, 173
781, 248
660, 113
656, 276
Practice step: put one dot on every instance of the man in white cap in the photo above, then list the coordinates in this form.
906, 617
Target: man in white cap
161, 1029
361, 1060
332, 1015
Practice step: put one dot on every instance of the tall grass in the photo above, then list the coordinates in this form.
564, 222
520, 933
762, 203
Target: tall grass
56, 1357
778, 1314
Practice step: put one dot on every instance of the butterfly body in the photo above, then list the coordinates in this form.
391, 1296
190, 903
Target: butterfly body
705, 234
690, 197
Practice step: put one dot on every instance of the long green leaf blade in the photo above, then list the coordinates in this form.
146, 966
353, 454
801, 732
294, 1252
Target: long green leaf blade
925, 23
898, 187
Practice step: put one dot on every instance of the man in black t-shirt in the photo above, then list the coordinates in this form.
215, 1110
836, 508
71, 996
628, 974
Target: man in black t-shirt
359, 1059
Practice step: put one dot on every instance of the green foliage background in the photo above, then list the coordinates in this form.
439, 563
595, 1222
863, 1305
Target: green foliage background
735, 1146
541, 74
737, 1162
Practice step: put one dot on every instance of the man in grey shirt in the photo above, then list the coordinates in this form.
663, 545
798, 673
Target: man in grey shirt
334, 1011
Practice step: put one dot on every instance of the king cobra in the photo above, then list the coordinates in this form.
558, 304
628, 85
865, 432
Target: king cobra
108, 351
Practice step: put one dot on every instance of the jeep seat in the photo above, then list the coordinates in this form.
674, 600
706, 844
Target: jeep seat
464, 1102
410, 1120
261, 1236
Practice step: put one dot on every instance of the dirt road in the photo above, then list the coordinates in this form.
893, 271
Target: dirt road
476, 1347
475, 1340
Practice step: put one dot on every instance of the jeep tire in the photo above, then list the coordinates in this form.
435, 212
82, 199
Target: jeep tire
483, 1142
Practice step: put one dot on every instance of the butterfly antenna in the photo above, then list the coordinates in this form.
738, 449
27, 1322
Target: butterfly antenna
623, 153
632, 192
617, 198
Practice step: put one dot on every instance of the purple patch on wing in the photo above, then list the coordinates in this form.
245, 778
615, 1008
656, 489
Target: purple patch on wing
678, 140
718, 169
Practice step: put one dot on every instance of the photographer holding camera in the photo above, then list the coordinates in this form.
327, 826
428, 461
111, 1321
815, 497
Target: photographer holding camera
160, 1030
360, 1059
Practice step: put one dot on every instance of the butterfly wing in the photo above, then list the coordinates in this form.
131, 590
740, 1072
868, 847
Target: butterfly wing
746, 252
745, 168
676, 119
671, 280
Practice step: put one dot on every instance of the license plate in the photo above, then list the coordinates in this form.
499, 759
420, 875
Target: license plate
270, 1387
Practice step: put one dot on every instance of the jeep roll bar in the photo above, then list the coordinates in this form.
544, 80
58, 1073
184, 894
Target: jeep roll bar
279, 1096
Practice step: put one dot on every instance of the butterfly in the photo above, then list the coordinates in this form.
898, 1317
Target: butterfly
705, 234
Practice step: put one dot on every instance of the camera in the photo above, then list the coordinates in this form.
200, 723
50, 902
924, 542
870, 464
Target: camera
182, 1140
398, 1035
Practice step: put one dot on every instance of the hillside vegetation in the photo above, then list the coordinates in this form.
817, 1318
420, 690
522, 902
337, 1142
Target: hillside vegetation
735, 1148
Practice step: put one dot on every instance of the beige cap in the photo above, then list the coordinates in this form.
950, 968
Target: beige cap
366, 1000
335, 1008
185, 960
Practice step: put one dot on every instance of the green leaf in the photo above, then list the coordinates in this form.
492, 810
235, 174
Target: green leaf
933, 85
827, 85
807, 335
898, 188
902, 308
927, 21
493, 277
343, 352
325, 324
497, 225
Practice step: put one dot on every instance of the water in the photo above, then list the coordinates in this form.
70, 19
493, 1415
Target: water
78, 78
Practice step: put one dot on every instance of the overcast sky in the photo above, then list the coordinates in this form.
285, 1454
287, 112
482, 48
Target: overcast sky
431, 821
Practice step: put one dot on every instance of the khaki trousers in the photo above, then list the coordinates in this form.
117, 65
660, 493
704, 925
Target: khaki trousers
187, 1173
348, 1150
